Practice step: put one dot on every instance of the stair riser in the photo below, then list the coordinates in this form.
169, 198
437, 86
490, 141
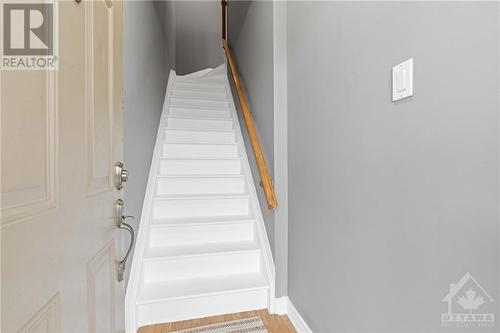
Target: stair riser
199, 307
197, 87
217, 96
200, 167
200, 150
197, 234
200, 186
199, 123
200, 136
199, 113
198, 266
215, 76
215, 80
201, 103
178, 208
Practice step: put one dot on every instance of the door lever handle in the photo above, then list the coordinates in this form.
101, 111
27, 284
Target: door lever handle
120, 223
119, 212
119, 217
122, 263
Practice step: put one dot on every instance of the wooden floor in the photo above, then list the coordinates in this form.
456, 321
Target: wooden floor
274, 323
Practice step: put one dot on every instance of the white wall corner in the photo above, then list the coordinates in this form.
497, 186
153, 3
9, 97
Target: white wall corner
280, 146
283, 306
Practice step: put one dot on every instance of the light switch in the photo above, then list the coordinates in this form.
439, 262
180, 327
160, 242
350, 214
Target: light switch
402, 80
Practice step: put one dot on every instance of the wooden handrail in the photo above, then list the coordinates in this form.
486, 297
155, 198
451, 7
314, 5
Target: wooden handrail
223, 4
266, 181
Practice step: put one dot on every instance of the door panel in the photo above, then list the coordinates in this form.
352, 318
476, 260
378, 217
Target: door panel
28, 144
99, 59
46, 320
101, 291
61, 133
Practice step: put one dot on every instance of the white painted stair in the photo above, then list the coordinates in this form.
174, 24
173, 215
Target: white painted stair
202, 249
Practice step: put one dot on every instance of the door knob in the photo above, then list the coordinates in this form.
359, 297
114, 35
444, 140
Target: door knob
121, 175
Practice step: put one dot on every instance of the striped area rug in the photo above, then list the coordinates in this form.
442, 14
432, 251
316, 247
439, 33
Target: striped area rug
245, 325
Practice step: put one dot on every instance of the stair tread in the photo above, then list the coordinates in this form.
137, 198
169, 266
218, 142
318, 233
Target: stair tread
187, 288
201, 135
200, 98
207, 117
201, 149
201, 220
199, 176
201, 158
201, 196
194, 81
196, 107
198, 118
199, 82
201, 106
201, 129
202, 143
184, 99
203, 87
159, 252
201, 79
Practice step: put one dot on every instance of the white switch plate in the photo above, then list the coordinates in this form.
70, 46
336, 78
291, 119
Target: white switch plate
402, 80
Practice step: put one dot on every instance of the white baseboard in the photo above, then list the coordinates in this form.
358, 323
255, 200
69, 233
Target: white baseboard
281, 305
284, 306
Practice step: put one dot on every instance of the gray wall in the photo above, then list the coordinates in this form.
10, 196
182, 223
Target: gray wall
145, 72
250, 36
391, 202
166, 14
198, 35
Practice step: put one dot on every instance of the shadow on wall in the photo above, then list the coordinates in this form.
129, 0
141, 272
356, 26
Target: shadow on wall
146, 65
166, 15
238, 13
198, 35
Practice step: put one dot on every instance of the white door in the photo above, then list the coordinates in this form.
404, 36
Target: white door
61, 133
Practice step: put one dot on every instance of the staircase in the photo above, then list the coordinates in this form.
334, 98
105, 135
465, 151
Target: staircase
202, 249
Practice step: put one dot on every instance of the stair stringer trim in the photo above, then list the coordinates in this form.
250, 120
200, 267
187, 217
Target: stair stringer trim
138, 258
259, 219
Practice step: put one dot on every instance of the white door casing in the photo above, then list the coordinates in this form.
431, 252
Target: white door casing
61, 132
